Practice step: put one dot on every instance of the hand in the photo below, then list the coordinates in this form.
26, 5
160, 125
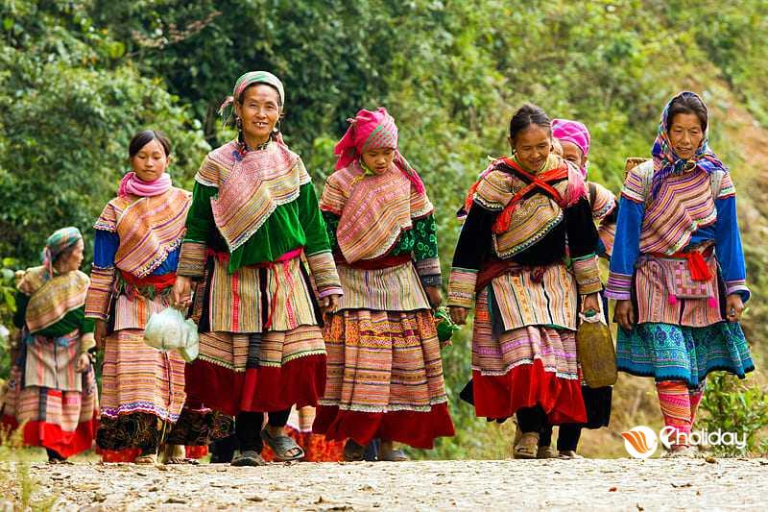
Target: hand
624, 314
181, 295
83, 362
330, 303
734, 307
591, 303
459, 314
434, 295
100, 334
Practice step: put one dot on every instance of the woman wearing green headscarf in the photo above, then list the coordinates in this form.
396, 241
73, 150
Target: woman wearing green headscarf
52, 389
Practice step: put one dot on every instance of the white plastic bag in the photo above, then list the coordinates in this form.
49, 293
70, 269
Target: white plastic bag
168, 330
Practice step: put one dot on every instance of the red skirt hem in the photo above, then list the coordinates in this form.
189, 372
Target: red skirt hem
49, 435
417, 429
529, 385
299, 382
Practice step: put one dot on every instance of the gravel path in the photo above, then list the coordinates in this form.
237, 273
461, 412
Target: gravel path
620, 484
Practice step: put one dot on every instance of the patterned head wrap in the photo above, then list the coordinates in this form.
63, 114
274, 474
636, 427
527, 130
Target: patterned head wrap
575, 133
373, 130
57, 243
666, 162
250, 78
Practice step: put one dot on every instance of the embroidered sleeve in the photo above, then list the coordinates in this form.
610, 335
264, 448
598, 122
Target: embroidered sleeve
604, 202
87, 340
210, 172
200, 228
494, 191
638, 183
626, 249
107, 221
582, 244
472, 248
726, 188
425, 251
335, 194
318, 247
728, 248
100, 293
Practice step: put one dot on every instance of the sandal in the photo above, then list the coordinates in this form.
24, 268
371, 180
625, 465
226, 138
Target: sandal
546, 452
395, 455
353, 452
248, 458
281, 445
528, 446
149, 459
569, 454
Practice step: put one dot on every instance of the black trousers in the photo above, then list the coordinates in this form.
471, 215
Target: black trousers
248, 427
567, 439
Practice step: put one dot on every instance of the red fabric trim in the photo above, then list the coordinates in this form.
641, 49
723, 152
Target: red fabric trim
159, 282
316, 448
128, 455
417, 429
697, 264
48, 435
195, 452
299, 382
528, 385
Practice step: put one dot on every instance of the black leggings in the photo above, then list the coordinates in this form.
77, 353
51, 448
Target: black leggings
567, 439
531, 419
248, 427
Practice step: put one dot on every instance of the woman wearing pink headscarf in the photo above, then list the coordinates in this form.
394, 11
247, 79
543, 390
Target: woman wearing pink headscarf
385, 375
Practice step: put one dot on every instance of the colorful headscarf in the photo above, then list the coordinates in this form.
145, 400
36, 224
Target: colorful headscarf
575, 133
254, 77
666, 162
373, 130
57, 243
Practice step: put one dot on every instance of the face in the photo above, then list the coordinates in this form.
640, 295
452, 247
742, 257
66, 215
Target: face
72, 260
532, 147
259, 112
379, 160
685, 135
572, 153
150, 162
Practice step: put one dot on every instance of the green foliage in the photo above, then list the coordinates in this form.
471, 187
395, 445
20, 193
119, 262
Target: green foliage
734, 406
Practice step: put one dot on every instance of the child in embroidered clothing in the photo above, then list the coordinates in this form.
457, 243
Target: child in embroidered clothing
385, 374
136, 252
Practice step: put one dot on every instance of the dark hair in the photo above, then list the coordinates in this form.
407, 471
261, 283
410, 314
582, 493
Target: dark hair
688, 103
527, 115
141, 139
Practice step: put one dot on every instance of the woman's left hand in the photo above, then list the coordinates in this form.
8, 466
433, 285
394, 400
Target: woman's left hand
734, 307
330, 303
591, 302
83, 362
434, 295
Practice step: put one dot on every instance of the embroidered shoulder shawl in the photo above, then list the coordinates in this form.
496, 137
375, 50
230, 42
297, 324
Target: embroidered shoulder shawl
684, 203
251, 187
534, 216
149, 228
51, 299
374, 210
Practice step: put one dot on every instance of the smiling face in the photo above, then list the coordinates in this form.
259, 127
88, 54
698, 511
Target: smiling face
259, 111
150, 162
379, 160
532, 147
685, 135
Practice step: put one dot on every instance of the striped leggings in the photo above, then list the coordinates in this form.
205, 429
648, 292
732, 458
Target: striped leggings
679, 404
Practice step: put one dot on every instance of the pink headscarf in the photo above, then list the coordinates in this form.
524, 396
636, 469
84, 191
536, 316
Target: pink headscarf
574, 132
373, 130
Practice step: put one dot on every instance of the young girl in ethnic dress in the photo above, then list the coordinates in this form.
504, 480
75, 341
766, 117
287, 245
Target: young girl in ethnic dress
511, 253
574, 141
254, 214
677, 270
52, 389
385, 375
136, 251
